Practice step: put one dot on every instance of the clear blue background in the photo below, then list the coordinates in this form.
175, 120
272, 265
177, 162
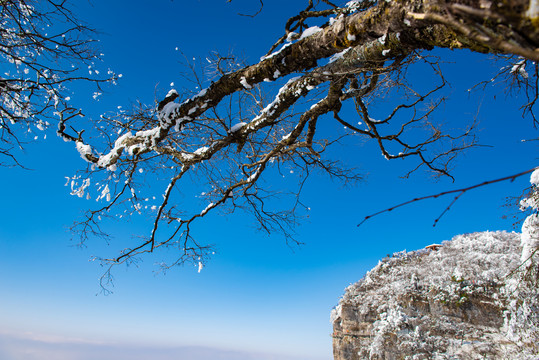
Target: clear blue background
258, 298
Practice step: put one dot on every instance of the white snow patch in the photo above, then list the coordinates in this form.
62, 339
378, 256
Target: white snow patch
83, 149
151, 132
534, 178
339, 55
171, 92
291, 36
201, 93
520, 69
104, 194
237, 127
192, 110
530, 237
201, 150
353, 6
276, 52
205, 211
310, 31
165, 115
244, 82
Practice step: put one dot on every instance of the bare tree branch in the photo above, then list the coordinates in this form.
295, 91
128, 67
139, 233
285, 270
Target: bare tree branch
230, 137
459, 193
39, 62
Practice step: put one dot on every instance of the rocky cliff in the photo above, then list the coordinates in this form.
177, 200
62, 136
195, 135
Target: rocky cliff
462, 301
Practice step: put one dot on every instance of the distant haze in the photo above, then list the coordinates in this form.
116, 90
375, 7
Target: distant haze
32, 347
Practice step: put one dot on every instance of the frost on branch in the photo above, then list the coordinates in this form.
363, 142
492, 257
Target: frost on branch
530, 227
228, 147
43, 48
523, 316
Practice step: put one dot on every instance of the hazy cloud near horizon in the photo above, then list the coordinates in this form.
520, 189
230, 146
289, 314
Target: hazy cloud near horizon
28, 348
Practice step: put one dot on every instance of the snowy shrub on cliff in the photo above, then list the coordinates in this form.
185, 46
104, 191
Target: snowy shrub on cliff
530, 227
522, 315
459, 276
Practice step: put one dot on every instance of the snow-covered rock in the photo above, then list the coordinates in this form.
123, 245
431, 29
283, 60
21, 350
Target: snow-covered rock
466, 300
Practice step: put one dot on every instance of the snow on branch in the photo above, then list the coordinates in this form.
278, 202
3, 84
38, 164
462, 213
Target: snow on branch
212, 151
44, 48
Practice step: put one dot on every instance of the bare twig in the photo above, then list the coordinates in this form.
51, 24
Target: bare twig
459, 193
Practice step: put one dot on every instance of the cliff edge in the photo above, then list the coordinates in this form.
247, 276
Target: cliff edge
464, 300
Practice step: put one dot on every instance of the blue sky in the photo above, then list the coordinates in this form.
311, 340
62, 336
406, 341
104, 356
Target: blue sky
258, 298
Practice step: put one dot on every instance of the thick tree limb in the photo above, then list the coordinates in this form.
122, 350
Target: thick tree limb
228, 137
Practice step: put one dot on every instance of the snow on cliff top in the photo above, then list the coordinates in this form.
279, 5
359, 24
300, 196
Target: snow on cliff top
483, 257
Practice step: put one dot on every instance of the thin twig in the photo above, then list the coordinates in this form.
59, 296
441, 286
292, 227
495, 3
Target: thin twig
256, 13
460, 191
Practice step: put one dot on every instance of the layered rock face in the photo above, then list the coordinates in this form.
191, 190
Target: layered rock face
450, 303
